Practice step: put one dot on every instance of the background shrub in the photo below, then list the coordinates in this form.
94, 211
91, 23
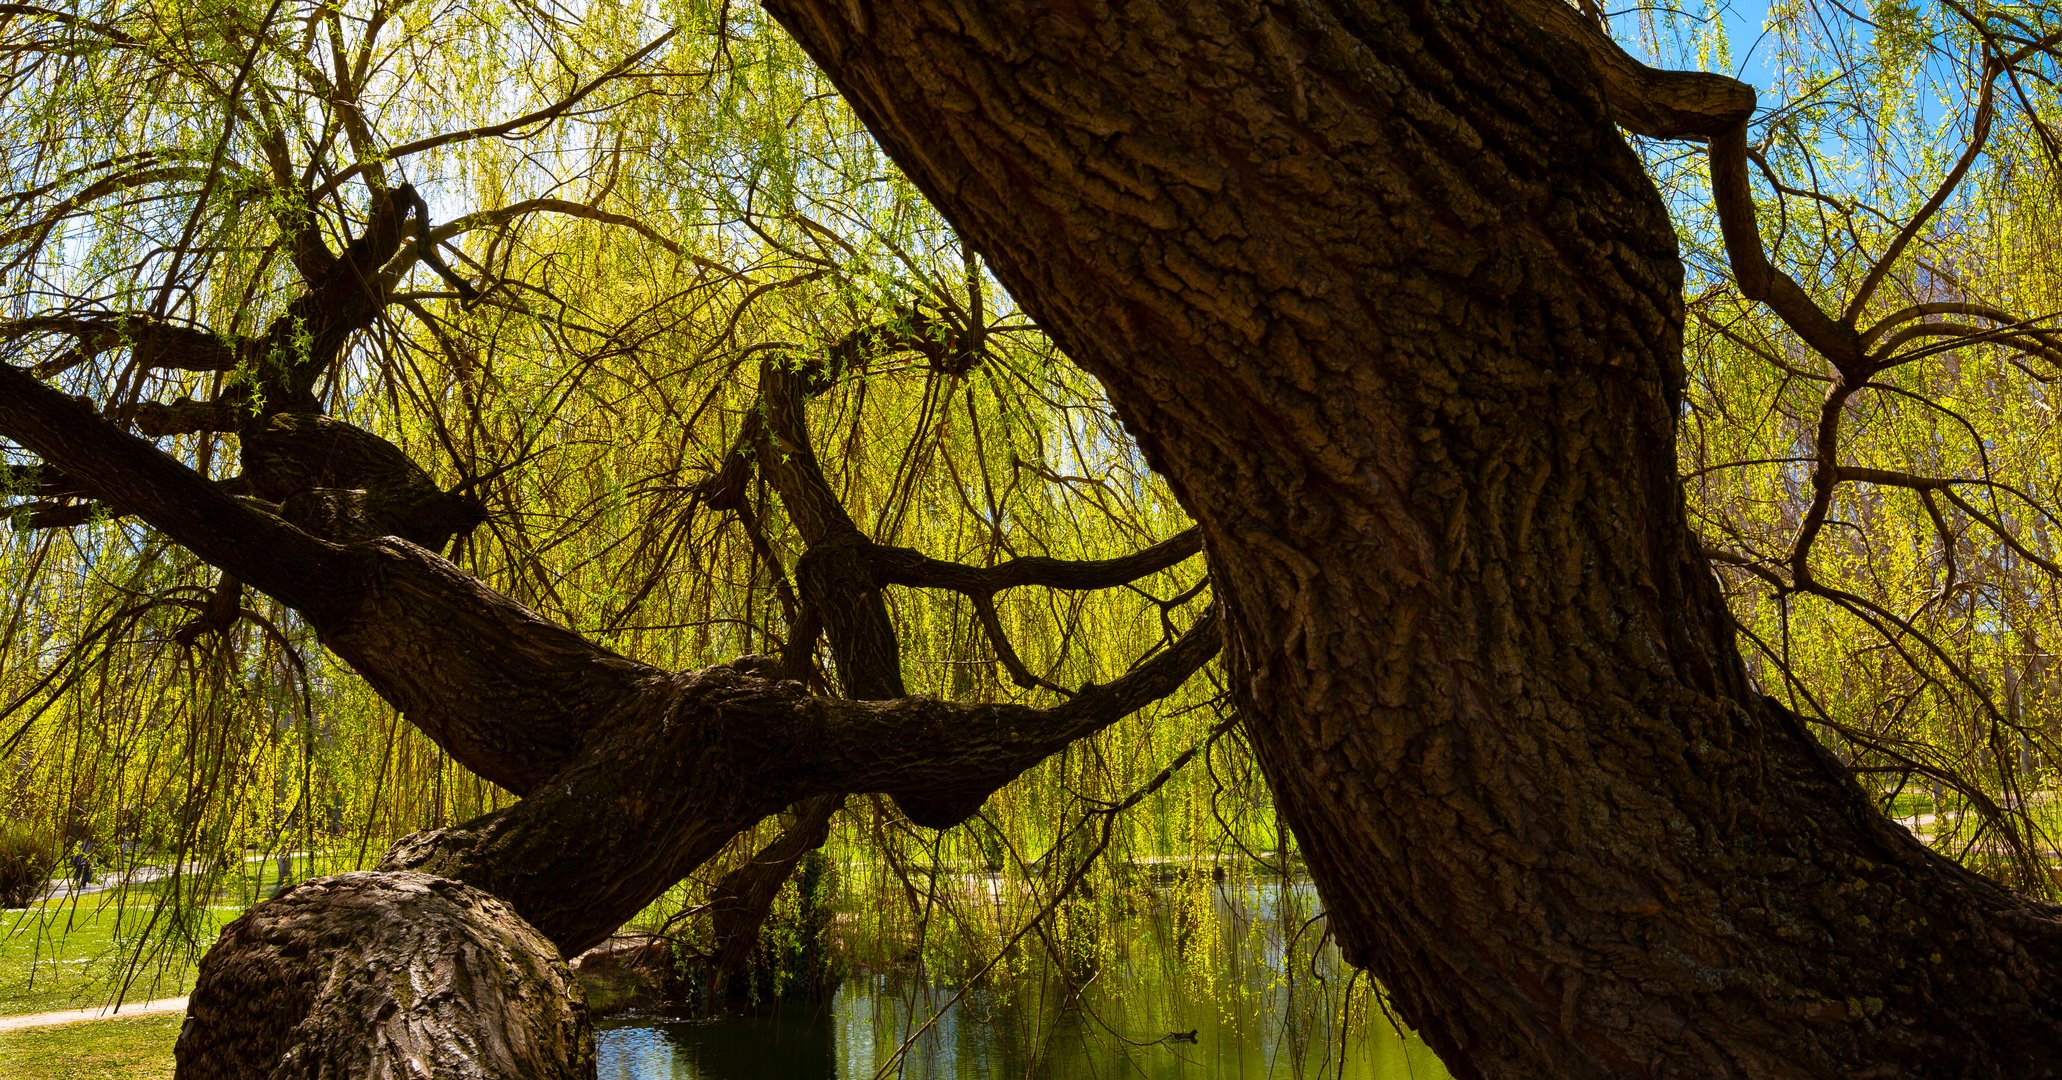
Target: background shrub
26, 859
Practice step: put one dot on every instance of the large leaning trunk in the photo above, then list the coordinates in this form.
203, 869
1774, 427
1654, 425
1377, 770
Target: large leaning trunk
1383, 292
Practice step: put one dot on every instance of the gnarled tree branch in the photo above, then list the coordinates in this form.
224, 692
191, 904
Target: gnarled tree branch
666, 780
1699, 105
904, 566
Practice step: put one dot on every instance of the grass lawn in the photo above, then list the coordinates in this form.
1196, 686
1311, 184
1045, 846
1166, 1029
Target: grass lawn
97, 1050
61, 955
74, 952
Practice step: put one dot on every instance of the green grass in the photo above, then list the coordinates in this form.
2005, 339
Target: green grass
138, 1049
67, 956
75, 952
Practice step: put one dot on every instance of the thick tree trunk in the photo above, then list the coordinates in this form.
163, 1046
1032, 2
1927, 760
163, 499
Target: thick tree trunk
375, 976
1382, 291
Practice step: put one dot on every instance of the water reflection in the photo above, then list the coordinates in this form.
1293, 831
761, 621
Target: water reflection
1260, 996
851, 1039
730, 1048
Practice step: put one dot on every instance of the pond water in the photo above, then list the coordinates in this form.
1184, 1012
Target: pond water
856, 1034
1261, 993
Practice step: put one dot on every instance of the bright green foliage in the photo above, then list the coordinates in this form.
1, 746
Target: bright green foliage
641, 254
86, 952
1923, 639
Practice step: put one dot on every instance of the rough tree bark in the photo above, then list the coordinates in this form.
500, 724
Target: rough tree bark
446, 980
1387, 298
1383, 292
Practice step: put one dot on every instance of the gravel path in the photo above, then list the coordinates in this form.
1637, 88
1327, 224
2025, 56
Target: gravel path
73, 1016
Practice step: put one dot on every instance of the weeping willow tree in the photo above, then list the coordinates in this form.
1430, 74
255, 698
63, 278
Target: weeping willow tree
670, 359
565, 454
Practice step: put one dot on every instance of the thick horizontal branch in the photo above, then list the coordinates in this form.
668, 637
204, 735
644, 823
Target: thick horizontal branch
36, 11
51, 499
49, 515
609, 753
185, 416
669, 777
125, 471
42, 481
1896, 479
507, 693
906, 566
155, 343
940, 760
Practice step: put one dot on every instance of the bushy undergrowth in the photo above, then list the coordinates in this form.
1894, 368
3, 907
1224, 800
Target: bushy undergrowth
795, 959
26, 859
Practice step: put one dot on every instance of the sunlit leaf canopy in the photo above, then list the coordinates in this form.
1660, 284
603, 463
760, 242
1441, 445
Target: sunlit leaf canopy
653, 202
1889, 536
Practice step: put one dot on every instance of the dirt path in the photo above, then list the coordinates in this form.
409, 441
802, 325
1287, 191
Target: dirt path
74, 1016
